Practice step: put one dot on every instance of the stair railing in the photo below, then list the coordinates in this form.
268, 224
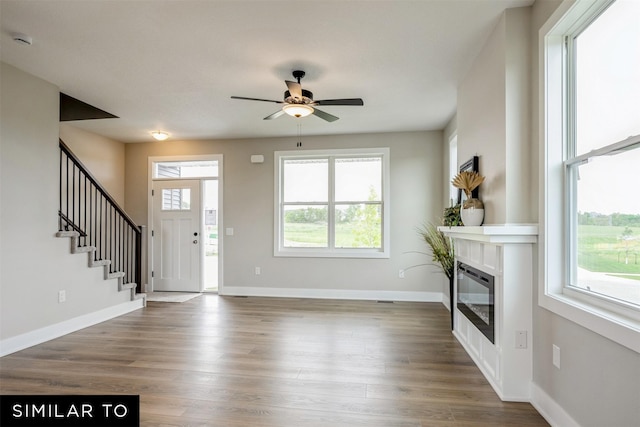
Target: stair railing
86, 207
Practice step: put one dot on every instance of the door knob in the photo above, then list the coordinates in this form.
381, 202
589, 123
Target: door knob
195, 242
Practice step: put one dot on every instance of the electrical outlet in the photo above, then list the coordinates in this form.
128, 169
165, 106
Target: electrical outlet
556, 356
62, 296
258, 271
521, 339
401, 274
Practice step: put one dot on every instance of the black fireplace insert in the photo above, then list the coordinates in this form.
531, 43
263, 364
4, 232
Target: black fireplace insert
476, 298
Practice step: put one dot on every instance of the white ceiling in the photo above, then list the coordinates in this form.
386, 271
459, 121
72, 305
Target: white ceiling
173, 65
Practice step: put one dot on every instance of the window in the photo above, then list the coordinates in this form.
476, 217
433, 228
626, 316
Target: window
602, 157
332, 204
182, 169
176, 199
590, 216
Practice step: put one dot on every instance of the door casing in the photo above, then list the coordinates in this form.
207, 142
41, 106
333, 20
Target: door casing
185, 158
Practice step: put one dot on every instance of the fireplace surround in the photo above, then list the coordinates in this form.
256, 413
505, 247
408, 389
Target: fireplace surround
504, 252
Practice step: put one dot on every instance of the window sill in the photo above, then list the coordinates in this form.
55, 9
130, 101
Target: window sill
311, 253
618, 328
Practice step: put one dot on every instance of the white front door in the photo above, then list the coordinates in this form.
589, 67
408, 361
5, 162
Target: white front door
176, 234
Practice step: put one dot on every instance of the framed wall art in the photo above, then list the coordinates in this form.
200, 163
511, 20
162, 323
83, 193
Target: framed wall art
469, 165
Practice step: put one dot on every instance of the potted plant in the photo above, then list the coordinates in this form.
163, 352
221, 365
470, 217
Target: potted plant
451, 216
443, 255
472, 211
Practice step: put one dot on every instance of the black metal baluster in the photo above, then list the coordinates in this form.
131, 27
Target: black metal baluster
79, 221
129, 274
120, 244
67, 196
90, 231
114, 240
110, 252
84, 211
100, 230
139, 259
60, 192
73, 194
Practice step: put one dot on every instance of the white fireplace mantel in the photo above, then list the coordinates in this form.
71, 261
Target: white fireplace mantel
505, 252
505, 233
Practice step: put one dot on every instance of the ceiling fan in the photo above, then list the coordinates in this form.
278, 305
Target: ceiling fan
299, 102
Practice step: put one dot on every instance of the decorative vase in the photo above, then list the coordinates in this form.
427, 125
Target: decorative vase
472, 212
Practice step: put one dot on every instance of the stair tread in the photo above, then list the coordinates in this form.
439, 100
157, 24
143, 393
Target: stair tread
64, 233
116, 274
83, 249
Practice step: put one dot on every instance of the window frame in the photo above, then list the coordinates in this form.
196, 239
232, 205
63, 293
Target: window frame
331, 251
618, 322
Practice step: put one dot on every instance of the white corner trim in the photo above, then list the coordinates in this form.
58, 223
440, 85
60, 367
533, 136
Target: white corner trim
38, 336
550, 409
342, 294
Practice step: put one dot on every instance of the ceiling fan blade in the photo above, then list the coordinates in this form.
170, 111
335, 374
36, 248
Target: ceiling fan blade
325, 116
274, 115
348, 101
295, 89
257, 99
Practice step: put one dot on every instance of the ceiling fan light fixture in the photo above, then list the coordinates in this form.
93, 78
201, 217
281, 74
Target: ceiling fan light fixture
159, 135
298, 110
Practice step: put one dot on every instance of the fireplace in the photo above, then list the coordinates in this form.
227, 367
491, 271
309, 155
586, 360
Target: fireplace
476, 298
501, 348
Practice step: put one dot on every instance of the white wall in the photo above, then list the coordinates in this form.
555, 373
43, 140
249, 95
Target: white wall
481, 118
597, 384
103, 157
34, 264
416, 197
493, 119
449, 131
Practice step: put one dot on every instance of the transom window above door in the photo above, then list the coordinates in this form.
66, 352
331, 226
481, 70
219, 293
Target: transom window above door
185, 169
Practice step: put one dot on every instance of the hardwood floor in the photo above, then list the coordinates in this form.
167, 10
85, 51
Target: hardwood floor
225, 361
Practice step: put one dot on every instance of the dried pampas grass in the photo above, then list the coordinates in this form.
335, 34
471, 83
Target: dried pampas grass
467, 181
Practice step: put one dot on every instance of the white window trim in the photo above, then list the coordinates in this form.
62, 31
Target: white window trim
385, 252
613, 321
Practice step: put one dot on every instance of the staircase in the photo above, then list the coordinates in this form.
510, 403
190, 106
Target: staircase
94, 223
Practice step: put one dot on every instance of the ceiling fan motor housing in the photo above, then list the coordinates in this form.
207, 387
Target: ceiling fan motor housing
307, 97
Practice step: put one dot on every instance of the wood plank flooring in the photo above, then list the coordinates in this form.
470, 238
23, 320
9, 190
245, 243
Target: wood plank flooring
225, 361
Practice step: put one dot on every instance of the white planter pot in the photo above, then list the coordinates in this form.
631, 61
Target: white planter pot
472, 212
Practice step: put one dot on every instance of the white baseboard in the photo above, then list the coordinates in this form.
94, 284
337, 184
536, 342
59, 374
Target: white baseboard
38, 336
550, 409
342, 294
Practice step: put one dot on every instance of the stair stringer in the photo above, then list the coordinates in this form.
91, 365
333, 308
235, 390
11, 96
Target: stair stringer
74, 238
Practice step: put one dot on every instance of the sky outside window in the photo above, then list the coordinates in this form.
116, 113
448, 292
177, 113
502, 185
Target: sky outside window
608, 107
